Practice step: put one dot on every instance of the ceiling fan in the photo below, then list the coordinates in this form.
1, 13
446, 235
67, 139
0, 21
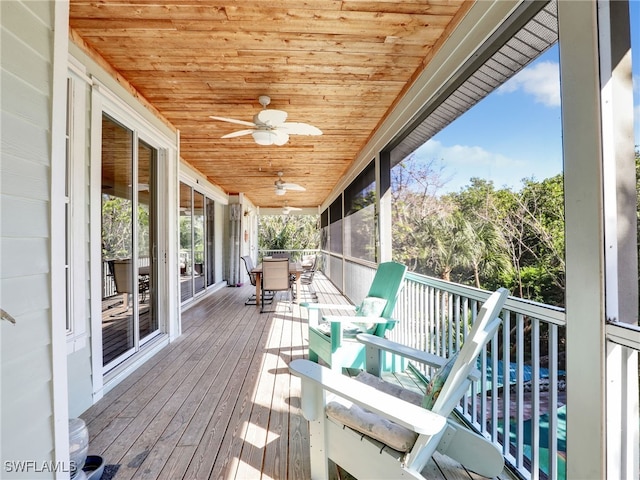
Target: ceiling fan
281, 187
269, 126
286, 210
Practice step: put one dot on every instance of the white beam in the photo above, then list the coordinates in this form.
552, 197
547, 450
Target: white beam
581, 128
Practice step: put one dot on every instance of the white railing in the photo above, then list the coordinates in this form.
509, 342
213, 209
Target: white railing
294, 254
522, 412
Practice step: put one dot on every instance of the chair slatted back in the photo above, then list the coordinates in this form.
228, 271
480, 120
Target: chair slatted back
387, 283
486, 325
248, 264
275, 274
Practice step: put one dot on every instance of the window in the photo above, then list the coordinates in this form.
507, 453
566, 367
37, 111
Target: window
76, 212
324, 230
196, 225
360, 216
335, 226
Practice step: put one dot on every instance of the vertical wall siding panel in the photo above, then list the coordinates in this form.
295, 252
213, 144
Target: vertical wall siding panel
25, 151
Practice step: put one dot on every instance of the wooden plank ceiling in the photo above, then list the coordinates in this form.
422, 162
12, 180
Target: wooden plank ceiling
338, 65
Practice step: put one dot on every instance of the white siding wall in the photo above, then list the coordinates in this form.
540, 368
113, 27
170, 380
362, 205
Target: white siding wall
27, 348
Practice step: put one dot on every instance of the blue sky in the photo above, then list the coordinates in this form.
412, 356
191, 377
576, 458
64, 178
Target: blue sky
515, 132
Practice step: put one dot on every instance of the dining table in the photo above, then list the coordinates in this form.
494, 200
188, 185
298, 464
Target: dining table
295, 268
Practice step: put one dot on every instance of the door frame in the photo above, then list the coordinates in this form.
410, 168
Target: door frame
104, 100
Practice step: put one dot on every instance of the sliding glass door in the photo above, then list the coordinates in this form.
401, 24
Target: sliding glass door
129, 241
197, 242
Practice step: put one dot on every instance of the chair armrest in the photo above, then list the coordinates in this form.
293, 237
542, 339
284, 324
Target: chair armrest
411, 416
375, 344
421, 356
351, 318
314, 310
319, 306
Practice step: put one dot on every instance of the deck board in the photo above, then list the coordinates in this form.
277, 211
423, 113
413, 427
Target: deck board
219, 401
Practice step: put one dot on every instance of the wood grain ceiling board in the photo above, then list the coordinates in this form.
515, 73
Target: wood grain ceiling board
338, 65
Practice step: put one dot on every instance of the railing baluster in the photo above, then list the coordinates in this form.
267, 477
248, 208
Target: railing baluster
553, 402
519, 391
467, 328
506, 383
535, 399
494, 387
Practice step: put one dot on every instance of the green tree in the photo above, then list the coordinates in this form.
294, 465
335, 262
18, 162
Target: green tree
488, 257
116, 227
415, 201
288, 232
451, 236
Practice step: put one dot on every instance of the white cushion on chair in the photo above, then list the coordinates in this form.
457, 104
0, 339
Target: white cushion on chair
368, 423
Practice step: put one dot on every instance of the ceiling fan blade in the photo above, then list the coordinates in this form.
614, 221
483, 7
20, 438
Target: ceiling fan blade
281, 137
293, 187
239, 133
270, 117
297, 128
233, 120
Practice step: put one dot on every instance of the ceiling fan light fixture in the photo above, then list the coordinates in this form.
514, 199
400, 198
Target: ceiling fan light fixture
280, 191
264, 137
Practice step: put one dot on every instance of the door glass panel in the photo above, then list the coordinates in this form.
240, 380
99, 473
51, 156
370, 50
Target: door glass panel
117, 234
186, 243
210, 256
147, 161
198, 242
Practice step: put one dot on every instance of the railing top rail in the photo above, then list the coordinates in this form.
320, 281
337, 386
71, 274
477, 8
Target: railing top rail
289, 250
547, 313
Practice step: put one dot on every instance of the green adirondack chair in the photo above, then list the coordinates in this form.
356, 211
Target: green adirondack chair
332, 337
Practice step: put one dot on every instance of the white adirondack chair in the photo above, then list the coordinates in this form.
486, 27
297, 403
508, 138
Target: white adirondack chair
352, 423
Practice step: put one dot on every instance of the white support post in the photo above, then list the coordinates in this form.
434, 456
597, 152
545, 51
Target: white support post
58, 234
621, 280
585, 308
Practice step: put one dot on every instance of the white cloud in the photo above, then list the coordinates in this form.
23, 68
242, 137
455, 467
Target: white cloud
461, 162
542, 81
465, 156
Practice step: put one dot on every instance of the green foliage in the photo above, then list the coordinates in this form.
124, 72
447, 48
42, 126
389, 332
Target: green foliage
288, 232
117, 221
116, 227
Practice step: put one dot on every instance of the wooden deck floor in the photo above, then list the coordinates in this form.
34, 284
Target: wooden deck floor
219, 402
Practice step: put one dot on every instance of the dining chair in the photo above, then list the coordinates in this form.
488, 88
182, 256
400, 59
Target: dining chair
248, 264
276, 278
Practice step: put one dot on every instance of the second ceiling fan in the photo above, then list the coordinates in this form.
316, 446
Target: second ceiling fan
281, 186
269, 126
